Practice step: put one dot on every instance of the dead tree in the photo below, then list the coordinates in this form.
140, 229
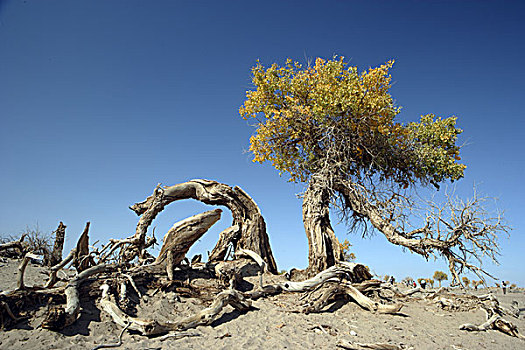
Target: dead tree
182, 236
56, 254
248, 229
19, 246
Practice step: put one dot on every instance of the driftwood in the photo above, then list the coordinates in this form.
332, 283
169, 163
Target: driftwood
54, 270
248, 230
343, 289
61, 317
153, 327
21, 269
182, 236
359, 346
494, 312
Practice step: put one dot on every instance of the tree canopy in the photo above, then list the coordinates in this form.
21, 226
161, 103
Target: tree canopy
303, 112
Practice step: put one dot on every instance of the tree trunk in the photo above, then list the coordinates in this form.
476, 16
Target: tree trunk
324, 250
182, 236
56, 254
248, 230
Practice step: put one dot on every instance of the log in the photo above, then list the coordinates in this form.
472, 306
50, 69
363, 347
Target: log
248, 230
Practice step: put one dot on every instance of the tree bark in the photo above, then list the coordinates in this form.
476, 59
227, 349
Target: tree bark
324, 250
82, 259
248, 230
56, 255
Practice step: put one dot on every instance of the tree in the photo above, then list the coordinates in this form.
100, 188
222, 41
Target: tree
431, 282
408, 281
476, 284
345, 250
334, 129
440, 276
466, 281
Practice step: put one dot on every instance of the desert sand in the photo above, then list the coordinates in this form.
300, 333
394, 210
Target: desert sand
273, 323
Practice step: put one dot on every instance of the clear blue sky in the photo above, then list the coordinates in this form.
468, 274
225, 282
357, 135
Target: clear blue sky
101, 100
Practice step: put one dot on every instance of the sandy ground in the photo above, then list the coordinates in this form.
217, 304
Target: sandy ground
421, 325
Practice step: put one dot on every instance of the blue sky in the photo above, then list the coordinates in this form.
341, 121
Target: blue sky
102, 100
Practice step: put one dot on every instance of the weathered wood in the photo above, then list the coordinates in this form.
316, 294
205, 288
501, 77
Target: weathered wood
359, 346
251, 233
153, 327
22, 267
82, 259
342, 289
58, 247
185, 233
54, 270
208, 315
20, 245
257, 259
352, 271
63, 316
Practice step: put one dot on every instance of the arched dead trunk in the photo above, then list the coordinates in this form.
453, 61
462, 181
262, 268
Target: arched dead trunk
248, 230
324, 250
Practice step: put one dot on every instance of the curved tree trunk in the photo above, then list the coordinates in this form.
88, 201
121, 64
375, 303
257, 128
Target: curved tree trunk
324, 250
248, 230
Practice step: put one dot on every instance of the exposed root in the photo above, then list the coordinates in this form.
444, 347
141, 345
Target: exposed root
22, 269
359, 346
153, 327
61, 317
113, 345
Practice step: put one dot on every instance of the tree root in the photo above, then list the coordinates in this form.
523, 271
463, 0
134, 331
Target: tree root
22, 268
113, 345
153, 327
494, 317
342, 289
359, 346
61, 317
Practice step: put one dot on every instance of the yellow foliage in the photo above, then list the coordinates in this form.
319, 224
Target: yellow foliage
299, 109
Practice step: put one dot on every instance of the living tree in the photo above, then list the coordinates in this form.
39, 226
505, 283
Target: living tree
335, 129
345, 250
466, 281
440, 276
